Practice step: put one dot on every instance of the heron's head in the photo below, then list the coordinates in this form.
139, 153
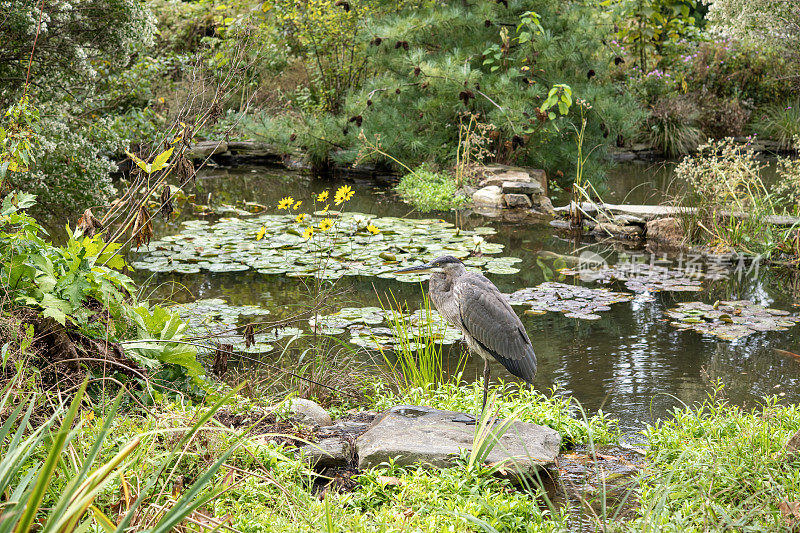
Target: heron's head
446, 264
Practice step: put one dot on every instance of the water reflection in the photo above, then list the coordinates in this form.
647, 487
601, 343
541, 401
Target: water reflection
631, 363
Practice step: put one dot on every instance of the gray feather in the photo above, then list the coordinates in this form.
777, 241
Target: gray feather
487, 317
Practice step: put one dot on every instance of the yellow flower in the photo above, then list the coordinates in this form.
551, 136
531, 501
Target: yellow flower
261, 233
325, 224
308, 233
300, 218
343, 194
373, 229
321, 197
297, 204
285, 203
325, 211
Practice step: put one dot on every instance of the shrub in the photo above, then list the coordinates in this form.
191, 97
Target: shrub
429, 191
722, 117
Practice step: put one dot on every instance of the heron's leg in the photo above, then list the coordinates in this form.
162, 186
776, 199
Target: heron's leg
485, 382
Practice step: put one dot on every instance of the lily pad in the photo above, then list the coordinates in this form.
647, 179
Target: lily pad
730, 320
348, 249
218, 322
642, 277
574, 301
374, 328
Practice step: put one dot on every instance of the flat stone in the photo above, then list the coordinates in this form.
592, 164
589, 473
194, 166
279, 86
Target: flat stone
203, 149
328, 453
411, 434
253, 149
497, 174
489, 196
517, 201
628, 220
792, 447
309, 412
519, 187
344, 428
615, 230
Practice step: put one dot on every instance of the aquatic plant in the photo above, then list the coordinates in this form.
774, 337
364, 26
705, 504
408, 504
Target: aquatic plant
348, 249
574, 301
730, 320
728, 204
418, 339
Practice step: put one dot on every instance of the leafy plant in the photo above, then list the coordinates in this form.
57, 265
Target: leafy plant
428, 190
77, 283
27, 479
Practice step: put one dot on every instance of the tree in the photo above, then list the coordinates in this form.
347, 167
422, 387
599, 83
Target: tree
775, 23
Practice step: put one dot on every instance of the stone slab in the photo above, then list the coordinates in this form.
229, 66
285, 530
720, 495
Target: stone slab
411, 434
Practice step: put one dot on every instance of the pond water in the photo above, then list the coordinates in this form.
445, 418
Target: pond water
630, 362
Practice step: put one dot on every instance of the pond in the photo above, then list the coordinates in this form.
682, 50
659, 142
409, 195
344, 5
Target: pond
628, 358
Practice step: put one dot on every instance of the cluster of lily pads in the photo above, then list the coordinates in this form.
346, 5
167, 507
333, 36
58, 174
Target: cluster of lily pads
642, 277
730, 320
574, 301
376, 328
231, 245
221, 322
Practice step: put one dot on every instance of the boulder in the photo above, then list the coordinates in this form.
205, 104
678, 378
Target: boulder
542, 204
309, 412
517, 201
668, 231
489, 196
411, 434
520, 187
328, 453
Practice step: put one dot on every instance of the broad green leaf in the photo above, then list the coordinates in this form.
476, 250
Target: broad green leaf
161, 160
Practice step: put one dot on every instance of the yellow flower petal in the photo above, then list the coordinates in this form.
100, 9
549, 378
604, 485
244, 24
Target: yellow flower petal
325, 224
373, 229
285, 203
343, 194
308, 233
321, 197
297, 205
300, 218
261, 233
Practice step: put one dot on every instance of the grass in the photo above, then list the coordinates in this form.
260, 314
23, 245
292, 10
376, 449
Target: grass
716, 466
418, 357
713, 466
781, 123
427, 190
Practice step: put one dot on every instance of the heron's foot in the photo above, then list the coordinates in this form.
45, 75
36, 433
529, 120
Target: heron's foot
464, 418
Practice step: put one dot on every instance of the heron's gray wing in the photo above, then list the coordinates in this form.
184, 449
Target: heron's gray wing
489, 319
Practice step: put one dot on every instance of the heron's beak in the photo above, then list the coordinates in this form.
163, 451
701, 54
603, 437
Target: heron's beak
426, 267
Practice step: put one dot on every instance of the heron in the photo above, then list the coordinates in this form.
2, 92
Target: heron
472, 303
